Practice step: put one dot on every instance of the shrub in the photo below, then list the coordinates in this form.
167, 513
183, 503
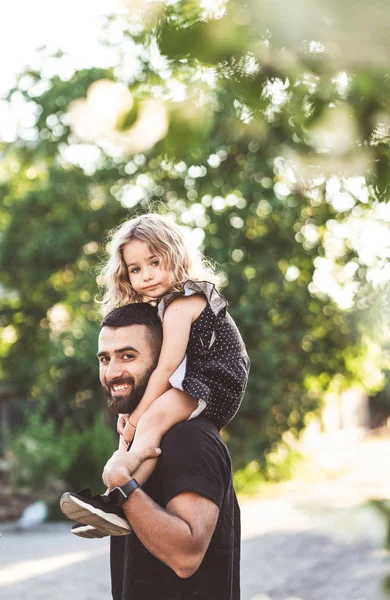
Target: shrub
45, 457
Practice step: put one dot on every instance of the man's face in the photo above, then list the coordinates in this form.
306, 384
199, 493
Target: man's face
126, 361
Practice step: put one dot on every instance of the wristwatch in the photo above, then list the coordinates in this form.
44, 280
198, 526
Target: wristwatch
118, 495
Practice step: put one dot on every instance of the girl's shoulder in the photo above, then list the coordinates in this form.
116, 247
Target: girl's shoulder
205, 288
185, 307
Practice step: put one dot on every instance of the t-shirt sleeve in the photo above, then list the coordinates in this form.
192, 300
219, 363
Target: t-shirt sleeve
194, 458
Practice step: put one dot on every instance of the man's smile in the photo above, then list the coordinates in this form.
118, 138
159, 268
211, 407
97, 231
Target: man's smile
120, 386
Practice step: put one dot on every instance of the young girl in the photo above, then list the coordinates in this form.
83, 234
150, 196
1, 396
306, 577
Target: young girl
203, 365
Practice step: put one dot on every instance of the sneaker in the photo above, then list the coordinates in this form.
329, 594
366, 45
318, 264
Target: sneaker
98, 511
87, 531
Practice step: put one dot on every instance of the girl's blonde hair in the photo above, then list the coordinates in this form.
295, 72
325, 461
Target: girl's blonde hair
164, 238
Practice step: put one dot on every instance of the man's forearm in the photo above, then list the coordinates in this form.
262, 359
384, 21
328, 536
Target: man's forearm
168, 537
178, 535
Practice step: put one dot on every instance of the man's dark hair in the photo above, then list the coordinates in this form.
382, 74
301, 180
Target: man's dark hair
137, 314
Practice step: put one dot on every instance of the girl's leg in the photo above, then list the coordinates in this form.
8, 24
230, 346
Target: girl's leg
172, 407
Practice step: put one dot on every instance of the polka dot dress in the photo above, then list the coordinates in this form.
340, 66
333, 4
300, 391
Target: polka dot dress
216, 366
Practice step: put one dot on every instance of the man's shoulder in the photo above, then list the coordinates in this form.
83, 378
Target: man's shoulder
194, 457
198, 437
193, 431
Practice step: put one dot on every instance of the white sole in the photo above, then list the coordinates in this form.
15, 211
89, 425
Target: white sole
87, 531
77, 510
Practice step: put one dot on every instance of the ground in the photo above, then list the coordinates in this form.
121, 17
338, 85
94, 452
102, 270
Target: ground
314, 538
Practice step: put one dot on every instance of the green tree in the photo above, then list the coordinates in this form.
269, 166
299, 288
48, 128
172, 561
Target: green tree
246, 159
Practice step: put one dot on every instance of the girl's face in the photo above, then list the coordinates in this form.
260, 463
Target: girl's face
145, 270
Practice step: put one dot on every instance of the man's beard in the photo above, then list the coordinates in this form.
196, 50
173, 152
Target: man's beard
129, 400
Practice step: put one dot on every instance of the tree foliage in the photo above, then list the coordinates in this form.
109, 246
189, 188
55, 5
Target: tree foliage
257, 134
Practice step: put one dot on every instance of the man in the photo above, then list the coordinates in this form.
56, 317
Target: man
185, 540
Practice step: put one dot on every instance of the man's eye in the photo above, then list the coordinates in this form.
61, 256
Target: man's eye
128, 356
103, 360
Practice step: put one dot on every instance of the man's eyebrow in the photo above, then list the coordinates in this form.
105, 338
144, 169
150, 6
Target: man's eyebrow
147, 258
119, 351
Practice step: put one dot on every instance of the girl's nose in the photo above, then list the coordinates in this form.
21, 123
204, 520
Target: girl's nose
147, 275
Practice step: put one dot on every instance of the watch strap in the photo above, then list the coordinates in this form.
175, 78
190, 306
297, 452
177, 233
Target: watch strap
118, 495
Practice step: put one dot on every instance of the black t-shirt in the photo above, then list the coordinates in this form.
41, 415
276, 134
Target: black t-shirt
194, 458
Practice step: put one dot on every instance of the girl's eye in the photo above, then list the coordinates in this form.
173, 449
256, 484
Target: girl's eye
155, 263
135, 270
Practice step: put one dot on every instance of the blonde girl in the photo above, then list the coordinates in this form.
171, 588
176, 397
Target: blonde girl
203, 365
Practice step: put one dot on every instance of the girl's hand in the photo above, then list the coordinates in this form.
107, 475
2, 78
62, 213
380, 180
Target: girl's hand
121, 423
123, 445
128, 432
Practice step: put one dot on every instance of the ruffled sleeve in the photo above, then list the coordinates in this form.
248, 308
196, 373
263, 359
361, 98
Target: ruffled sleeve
216, 301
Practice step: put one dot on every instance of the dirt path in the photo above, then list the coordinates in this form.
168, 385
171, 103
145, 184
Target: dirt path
317, 537
308, 540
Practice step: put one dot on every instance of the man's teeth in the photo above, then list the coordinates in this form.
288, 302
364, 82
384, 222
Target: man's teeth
118, 388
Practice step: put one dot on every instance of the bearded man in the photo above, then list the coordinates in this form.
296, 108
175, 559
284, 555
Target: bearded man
179, 533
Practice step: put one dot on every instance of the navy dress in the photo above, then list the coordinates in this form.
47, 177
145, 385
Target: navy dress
216, 365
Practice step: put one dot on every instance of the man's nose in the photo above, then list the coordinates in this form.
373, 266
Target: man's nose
114, 370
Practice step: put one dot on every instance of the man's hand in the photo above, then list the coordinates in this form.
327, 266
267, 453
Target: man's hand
121, 466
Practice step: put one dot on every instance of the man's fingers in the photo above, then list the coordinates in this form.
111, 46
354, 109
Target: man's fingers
141, 455
124, 464
149, 453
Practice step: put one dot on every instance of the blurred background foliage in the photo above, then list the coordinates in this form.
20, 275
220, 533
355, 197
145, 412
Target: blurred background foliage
267, 136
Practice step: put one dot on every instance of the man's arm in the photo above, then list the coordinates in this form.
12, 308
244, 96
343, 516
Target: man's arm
178, 535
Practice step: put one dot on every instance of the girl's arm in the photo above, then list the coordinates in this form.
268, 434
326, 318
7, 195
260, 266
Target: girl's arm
177, 321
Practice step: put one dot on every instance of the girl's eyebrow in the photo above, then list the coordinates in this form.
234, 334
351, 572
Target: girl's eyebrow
147, 258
